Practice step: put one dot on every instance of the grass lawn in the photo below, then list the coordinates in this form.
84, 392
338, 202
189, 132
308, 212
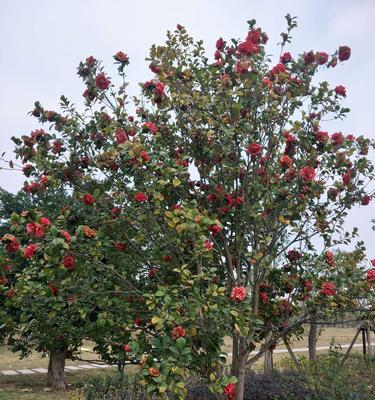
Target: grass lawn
10, 360
33, 387
340, 336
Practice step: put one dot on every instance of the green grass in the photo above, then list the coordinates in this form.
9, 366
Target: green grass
33, 387
9, 360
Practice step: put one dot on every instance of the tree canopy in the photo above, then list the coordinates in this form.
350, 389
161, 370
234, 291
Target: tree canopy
212, 212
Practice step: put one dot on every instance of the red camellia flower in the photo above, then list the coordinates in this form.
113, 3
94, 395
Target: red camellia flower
208, 245
30, 228
54, 289
308, 285
330, 258
328, 289
267, 82
264, 297
211, 197
254, 149
366, 200
214, 229
156, 69
102, 82
39, 231
140, 197
90, 61
337, 138
120, 246
115, 212
121, 136
309, 58
285, 58
88, 199
344, 53
43, 181
307, 173
370, 277
340, 90
238, 293
346, 178
150, 127
286, 161
31, 188
45, 221
279, 68
332, 193
30, 250
3, 280
293, 255
229, 391
177, 332
138, 320
242, 66
144, 155
12, 247
151, 272
322, 137
126, 348
159, 89
37, 133
66, 235
121, 57
26, 169
248, 47
155, 86
167, 258
220, 44
68, 262
321, 57
35, 229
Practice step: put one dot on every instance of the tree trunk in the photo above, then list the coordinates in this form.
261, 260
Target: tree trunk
312, 339
235, 343
55, 376
241, 370
268, 361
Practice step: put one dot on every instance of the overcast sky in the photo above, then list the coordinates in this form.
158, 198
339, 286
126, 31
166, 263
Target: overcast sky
42, 42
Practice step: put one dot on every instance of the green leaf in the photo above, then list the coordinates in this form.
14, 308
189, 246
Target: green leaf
180, 343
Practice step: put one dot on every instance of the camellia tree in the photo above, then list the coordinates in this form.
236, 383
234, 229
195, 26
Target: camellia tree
40, 311
213, 210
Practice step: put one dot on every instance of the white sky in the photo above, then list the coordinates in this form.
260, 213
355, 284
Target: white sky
43, 41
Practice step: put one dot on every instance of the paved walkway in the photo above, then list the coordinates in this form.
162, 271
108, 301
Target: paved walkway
80, 367
68, 368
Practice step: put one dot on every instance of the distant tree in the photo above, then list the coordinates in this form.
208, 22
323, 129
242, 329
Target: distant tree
10, 203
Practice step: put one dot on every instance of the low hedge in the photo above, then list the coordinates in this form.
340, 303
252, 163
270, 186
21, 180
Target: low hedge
324, 379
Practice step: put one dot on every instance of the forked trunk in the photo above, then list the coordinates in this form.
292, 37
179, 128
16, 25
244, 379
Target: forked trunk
56, 365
